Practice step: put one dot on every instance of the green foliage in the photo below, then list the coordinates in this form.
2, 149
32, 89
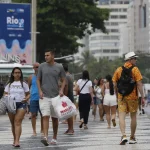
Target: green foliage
103, 66
62, 22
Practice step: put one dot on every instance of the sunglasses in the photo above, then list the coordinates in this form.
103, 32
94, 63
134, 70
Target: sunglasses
35, 67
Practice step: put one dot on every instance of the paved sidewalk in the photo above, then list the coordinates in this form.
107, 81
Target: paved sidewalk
97, 137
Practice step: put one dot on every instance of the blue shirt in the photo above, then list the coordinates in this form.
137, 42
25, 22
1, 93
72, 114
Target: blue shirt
34, 93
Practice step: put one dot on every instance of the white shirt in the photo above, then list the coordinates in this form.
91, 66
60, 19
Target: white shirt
98, 91
16, 90
86, 88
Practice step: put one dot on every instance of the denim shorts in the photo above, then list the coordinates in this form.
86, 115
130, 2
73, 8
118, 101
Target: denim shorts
20, 105
97, 101
34, 106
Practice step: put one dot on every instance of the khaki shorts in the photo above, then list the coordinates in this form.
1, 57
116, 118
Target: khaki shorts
46, 107
128, 105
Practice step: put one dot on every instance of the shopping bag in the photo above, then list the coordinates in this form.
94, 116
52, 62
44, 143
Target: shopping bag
2, 107
147, 110
10, 103
64, 108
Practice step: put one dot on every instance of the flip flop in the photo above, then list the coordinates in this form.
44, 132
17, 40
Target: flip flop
44, 141
53, 142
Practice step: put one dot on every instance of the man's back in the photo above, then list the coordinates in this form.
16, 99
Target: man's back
136, 75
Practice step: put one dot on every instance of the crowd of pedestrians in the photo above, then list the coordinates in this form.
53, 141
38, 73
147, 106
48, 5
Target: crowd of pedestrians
51, 79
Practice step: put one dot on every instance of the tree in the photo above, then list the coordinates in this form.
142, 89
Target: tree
62, 22
86, 59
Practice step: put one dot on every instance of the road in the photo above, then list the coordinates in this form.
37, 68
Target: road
97, 137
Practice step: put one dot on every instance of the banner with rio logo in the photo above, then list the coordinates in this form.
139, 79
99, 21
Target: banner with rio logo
15, 33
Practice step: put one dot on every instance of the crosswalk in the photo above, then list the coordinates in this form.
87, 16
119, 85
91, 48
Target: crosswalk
97, 137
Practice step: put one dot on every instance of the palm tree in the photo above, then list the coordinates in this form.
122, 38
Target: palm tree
86, 59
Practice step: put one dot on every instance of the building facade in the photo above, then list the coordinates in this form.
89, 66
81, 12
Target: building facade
142, 25
115, 43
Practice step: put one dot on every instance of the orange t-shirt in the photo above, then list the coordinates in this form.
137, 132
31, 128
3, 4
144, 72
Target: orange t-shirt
136, 75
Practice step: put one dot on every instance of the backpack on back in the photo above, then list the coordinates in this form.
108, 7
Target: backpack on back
126, 83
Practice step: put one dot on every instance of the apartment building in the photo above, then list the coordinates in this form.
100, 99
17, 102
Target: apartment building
115, 43
142, 25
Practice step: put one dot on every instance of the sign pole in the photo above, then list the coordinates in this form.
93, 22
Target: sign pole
33, 30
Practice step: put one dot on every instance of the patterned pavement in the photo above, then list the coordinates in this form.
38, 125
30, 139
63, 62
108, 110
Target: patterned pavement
97, 137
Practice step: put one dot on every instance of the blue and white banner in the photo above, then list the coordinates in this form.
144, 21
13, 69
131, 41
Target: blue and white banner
15, 33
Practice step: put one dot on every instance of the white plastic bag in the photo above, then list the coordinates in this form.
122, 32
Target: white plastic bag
64, 108
147, 110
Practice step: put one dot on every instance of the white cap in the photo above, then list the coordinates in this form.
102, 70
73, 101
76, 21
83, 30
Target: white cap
130, 55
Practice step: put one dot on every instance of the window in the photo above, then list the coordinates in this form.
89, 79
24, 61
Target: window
114, 23
124, 10
106, 37
120, 2
96, 38
106, 51
114, 51
126, 2
114, 37
114, 30
114, 10
113, 2
123, 17
114, 17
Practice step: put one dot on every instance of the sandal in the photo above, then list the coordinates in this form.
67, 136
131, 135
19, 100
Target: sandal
66, 131
114, 122
17, 146
53, 142
70, 132
45, 141
80, 126
85, 127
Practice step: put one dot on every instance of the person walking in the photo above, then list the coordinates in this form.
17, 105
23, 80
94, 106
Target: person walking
84, 86
49, 74
19, 90
69, 93
109, 101
129, 102
98, 99
34, 99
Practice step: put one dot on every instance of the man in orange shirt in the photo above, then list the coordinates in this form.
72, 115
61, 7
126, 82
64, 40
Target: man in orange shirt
129, 103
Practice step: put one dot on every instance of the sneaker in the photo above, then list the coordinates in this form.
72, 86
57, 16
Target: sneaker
132, 140
123, 140
44, 141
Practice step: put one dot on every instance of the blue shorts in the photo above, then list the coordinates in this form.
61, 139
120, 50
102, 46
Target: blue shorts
34, 106
97, 101
20, 105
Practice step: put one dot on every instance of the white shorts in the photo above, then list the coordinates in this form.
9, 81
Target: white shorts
46, 107
110, 100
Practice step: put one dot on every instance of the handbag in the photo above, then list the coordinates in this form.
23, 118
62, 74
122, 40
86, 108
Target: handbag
63, 108
78, 92
2, 107
10, 102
